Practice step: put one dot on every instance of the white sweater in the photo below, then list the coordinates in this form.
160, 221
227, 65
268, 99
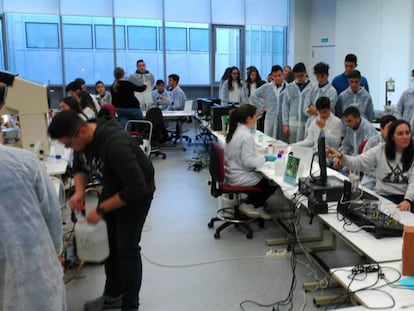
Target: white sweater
241, 159
390, 178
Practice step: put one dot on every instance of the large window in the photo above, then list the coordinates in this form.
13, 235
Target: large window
42, 35
104, 37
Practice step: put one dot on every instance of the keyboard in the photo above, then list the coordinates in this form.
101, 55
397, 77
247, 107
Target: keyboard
371, 219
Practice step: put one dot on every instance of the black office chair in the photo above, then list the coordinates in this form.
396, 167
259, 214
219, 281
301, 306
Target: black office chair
229, 215
159, 131
177, 134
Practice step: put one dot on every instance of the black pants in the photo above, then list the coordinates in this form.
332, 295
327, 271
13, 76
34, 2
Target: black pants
123, 267
258, 199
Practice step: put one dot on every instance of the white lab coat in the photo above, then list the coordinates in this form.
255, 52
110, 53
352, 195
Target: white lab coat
31, 275
138, 78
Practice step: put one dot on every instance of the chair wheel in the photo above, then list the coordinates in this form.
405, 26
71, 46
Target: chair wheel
217, 235
210, 224
164, 157
249, 235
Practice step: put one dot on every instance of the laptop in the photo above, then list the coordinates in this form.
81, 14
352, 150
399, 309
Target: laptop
188, 106
291, 171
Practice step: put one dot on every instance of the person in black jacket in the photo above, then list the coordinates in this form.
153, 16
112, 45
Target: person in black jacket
105, 150
123, 98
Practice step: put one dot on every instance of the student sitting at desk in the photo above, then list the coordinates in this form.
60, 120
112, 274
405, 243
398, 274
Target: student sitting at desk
393, 161
160, 96
177, 96
326, 121
241, 161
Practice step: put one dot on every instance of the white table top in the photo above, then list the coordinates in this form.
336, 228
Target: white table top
403, 297
175, 113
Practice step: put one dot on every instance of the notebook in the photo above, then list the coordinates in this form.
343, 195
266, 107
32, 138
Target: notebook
291, 171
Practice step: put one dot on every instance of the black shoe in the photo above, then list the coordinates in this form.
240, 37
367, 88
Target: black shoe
103, 302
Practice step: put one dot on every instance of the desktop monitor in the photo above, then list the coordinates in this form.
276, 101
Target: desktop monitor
322, 178
204, 106
27, 100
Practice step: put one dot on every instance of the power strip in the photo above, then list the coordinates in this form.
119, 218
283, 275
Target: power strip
280, 253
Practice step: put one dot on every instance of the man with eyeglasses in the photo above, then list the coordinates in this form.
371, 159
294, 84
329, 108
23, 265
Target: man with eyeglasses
105, 150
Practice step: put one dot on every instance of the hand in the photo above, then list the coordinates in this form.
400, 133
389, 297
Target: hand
312, 110
164, 98
333, 153
320, 123
286, 130
77, 200
336, 164
147, 83
265, 108
93, 216
404, 206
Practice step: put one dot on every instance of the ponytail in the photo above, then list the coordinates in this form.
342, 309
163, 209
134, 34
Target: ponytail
233, 121
239, 115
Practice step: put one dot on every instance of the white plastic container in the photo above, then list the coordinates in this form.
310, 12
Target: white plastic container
92, 241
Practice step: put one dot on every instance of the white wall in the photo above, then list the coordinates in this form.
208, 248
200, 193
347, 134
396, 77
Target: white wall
380, 33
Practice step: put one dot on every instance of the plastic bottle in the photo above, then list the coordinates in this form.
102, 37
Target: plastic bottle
280, 164
92, 241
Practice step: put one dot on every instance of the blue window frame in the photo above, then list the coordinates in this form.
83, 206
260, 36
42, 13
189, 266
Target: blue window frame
142, 38
42, 35
104, 37
176, 39
199, 40
77, 36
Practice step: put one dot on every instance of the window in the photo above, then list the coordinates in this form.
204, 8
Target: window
199, 41
77, 36
176, 39
104, 37
42, 35
142, 38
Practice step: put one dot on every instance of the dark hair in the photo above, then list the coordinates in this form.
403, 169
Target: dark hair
299, 67
352, 111
230, 79
86, 101
323, 102
175, 77
140, 61
226, 74
72, 103
321, 69
65, 123
80, 81
118, 74
96, 84
354, 74
290, 77
386, 119
159, 81
351, 58
287, 66
249, 81
408, 153
73, 86
276, 68
239, 115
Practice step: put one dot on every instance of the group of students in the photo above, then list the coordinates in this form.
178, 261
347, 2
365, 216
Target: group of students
297, 112
127, 95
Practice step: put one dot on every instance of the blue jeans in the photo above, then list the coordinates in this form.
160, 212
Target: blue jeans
126, 114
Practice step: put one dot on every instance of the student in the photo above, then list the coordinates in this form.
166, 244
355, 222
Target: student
105, 150
160, 96
86, 105
405, 106
224, 77
368, 180
101, 95
232, 87
297, 97
269, 97
326, 122
355, 95
177, 95
123, 98
82, 84
393, 163
323, 88
241, 161
252, 83
357, 130
140, 78
340, 82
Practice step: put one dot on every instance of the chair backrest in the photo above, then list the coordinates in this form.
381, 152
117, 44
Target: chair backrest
159, 130
362, 145
141, 130
216, 168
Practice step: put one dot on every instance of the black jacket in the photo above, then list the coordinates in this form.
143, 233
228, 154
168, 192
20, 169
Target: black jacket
123, 96
116, 159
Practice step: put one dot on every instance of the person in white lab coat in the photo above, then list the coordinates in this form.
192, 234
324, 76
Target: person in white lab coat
231, 91
31, 276
241, 161
143, 77
252, 83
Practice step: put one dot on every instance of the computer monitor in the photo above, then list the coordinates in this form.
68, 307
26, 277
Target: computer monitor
322, 178
27, 100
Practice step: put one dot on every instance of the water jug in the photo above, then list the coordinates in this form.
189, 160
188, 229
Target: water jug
92, 241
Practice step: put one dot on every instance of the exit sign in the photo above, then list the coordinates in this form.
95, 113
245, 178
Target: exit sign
325, 40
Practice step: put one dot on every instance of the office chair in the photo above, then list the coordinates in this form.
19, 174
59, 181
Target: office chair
159, 131
141, 131
229, 215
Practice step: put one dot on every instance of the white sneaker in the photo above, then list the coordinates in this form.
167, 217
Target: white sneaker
249, 210
263, 214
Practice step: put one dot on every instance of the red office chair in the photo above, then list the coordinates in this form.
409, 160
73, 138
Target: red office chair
229, 215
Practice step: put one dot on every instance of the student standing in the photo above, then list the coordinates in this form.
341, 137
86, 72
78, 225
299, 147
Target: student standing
140, 78
231, 90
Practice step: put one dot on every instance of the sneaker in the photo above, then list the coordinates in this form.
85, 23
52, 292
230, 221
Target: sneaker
263, 214
104, 302
249, 210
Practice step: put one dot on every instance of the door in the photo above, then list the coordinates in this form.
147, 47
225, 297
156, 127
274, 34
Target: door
228, 49
325, 54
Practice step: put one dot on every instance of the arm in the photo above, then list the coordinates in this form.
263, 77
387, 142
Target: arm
225, 92
364, 83
333, 134
370, 109
257, 98
248, 155
346, 144
333, 97
310, 138
364, 161
137, 88
338, 108
244, 94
